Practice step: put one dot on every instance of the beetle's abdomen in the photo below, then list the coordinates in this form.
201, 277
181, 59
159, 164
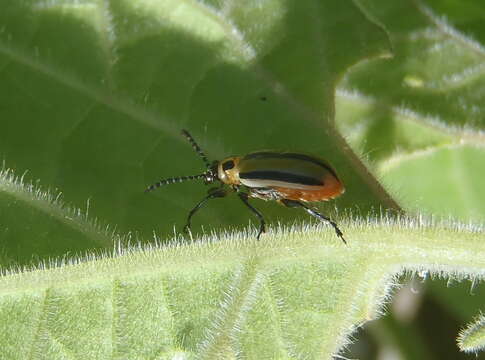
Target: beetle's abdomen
332, 189
295, 176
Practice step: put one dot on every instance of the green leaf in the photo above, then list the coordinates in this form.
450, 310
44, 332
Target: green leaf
437, 70
472, 339
37, 224
417, 120
236, 297
95, 93
420, 120
452, 185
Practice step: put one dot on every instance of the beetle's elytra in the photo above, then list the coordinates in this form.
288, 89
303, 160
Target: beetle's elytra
286, 177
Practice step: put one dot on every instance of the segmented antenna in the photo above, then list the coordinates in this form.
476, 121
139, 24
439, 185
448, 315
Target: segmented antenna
174, 180
196, 147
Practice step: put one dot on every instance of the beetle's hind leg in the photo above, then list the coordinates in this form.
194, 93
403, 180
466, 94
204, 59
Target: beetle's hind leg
294, 203
213, 193
262, 224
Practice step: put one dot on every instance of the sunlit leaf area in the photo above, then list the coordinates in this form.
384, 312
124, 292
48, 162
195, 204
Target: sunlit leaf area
94, 95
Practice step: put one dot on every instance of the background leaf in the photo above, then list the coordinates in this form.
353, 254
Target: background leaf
418, 120
419, 117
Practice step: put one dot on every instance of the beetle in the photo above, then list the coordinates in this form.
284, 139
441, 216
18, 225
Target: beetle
290, 178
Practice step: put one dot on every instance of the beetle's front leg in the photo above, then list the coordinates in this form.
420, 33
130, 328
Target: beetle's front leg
213, 193
294, 203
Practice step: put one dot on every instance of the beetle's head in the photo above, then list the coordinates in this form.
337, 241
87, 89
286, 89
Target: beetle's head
228, 170
211, 173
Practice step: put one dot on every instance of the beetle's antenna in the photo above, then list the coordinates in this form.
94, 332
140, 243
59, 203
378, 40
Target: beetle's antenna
196, 147
174, 180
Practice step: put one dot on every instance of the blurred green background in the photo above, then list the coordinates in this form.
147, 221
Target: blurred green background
94, 93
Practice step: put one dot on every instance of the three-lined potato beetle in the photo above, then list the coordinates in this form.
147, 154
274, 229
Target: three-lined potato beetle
291, 179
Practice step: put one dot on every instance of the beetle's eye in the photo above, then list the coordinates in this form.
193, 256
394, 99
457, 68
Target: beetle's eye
228, 165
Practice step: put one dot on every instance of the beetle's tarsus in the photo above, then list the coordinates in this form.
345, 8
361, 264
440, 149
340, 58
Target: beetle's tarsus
187, 228
339, 233
188, 231
262, 224
294, 203
262, 229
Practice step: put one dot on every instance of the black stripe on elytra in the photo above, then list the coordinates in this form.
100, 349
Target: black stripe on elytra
280, 176
297, 156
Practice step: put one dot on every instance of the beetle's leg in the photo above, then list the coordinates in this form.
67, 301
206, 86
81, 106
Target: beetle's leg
262, 225
212, 194
294, 203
